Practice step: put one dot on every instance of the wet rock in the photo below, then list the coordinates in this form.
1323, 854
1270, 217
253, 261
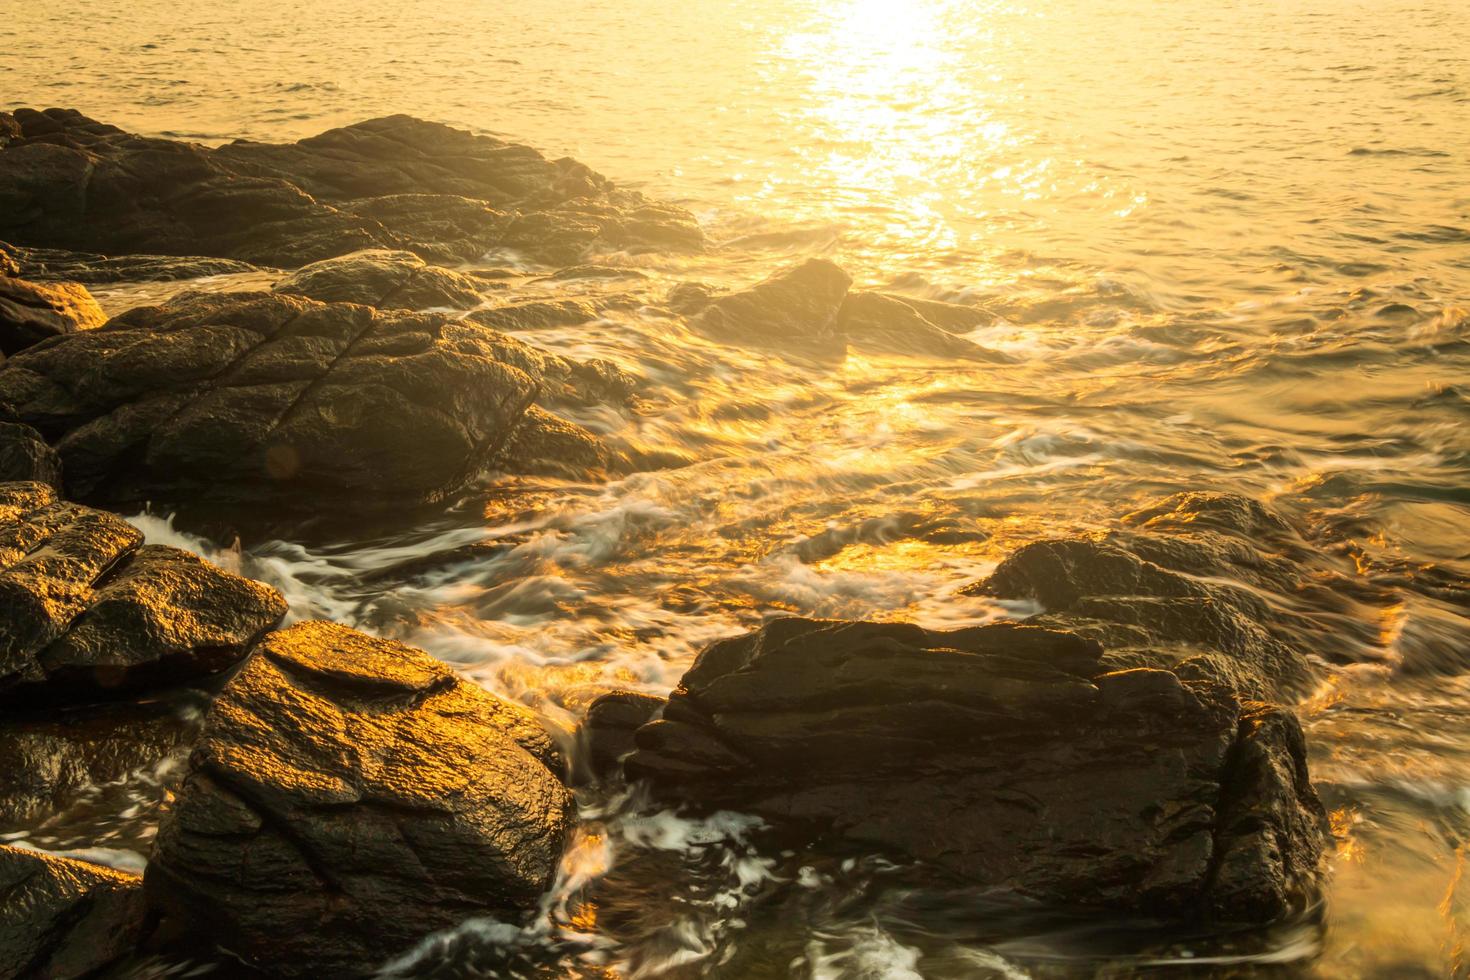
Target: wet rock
952, 317
69, 182
24, 455
48, 264
796, 309
9, 265
548, 445
537, 315
1201, 581
31, 312
348, 796
606, 734
62, 918
1005, 754
690, 298
52, 756
385, 279
261, 399
888, 324
88, 611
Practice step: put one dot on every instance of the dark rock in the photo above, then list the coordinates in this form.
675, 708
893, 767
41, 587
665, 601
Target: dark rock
796, 309
537, 315
31, 313
690, 298
388, 280
548, 445
63, 919
888, 324
68, 182
86, 611
348, 796
1004, 754
263, 399
606, 734
1205, 581
49, 264
51, 757
25, 456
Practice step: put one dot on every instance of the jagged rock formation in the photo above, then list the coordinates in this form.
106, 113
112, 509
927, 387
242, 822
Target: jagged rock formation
69, 182
1210, 584
61, 918
1005, 754
809, 310
264, 399
350, 795
31, 312
88, 611
385, 279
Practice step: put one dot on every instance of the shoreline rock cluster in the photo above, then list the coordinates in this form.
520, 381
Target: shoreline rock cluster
346, 795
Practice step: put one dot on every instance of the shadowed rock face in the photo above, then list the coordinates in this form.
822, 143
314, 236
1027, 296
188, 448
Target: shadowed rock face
260, 398
69, 182
62, 918
87, 610
350, 795
24, 455
1207, 583
1006, 754
50, 265
31, 313
388, 280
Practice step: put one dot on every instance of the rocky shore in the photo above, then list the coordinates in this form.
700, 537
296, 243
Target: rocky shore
1131, 747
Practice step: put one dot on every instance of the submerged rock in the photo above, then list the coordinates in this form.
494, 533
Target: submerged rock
808, 310
31, 312
1206, 583
51, 757
796, 309
889, 324
385, 279
69, 182
1005, 754
263, 399
606, 734
350, 795
62, 918
88, 611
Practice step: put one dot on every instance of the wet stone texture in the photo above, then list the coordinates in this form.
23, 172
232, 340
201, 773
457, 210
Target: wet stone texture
88, 611
69, 182
385, 279
350, 795
65, 919
1008, 755
265, 399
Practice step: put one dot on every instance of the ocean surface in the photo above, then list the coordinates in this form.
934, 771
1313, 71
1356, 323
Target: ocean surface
1227, 241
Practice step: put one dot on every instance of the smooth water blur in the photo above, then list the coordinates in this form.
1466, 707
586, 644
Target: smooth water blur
1227, 242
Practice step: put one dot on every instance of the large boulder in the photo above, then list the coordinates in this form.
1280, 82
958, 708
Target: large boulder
382, 278
31, 312
69, 182
61, 919
348, 796
87, 610
1004, 754
264, 399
